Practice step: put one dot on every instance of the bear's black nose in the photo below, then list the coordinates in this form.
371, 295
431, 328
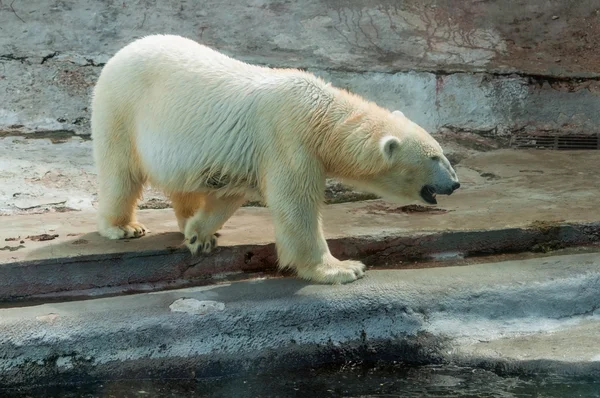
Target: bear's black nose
456, 186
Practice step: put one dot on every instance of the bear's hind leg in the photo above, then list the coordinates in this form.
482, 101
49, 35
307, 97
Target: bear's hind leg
200, 230
117, 197
185, 206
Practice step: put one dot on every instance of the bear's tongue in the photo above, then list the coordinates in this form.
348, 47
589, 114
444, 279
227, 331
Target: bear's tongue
428, 194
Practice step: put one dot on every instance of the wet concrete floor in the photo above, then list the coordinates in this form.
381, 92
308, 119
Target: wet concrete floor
350, 380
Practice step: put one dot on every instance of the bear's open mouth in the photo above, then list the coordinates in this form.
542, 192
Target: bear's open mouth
428, 194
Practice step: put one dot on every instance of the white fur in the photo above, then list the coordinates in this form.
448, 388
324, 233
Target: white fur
213, 132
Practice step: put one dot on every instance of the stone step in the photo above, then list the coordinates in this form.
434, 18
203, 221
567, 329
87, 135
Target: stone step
509, 201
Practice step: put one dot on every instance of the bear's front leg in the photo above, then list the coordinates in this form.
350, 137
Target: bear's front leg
200, 230
299, 235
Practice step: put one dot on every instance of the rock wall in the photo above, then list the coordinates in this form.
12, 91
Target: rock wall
490, 68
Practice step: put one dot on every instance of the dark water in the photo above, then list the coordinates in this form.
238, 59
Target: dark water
355, 381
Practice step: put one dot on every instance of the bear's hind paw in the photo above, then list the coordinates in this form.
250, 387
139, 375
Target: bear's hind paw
198, 244
128, 231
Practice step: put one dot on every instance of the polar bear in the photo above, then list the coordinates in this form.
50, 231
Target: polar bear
214, 132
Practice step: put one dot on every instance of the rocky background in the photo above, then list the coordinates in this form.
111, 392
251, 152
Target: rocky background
475, 73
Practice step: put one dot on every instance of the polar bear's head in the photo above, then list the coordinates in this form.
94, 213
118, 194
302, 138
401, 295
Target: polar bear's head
414, 165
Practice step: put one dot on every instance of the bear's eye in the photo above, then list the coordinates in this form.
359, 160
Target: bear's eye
435, 158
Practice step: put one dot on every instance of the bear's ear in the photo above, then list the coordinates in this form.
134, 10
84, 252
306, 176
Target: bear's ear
389, 146
397, 113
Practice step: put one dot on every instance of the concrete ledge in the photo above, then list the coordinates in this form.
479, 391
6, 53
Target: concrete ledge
516, 316
128, 272
511, 201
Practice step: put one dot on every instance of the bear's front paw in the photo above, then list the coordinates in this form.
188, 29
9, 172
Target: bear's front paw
204, 244
333, 272
131, 230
